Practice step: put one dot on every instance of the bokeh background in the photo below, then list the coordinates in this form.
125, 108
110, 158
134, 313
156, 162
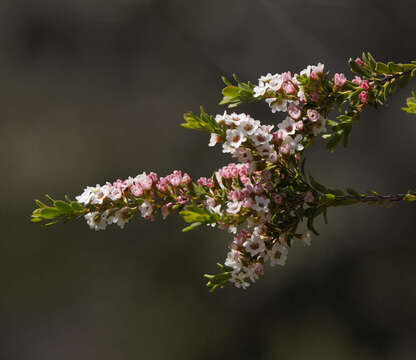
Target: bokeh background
95, 90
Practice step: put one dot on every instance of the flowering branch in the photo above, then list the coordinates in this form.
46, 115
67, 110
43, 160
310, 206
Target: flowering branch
266, 199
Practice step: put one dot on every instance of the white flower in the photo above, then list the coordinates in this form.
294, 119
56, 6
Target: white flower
266, 78
265, 150
277, 105
278, 255
293, 144
235, 138
220, 119
260, 90
233, 260
122, 217
243, 155
307, 237
95, 221
212, 207
91, 195
275, 83
234, 119
239, 280
262, 204
233, 207
146, 209
248, 126
254, 270
319, 69
319, 126
213, 139
254, 245
288, 125
261, 137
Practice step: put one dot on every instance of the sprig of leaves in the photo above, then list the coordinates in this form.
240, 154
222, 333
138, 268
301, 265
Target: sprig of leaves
197, 216
238, 94
204, 122
411, 104
57, 210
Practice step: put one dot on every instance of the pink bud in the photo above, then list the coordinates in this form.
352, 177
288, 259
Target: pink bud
364, 85
294, 111
339, 80
314, 75
364, 97
277, 198
299, 125
284, 149
359, 61
314, 96
288, 87
313, 115
136, 190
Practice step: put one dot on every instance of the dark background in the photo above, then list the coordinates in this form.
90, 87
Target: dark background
95, 90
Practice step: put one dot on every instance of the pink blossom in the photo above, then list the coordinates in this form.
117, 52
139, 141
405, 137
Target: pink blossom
359, 61
364, 97
186, 179
313, 115
357, 80
339, 80
364, 85
136, 190
277, 198
294, 111
314, 75
288, 87
299, 125
287, 76
314, 96
284, 149
248, 202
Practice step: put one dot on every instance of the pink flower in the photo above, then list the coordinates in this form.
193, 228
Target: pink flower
284, 149
339, 80
314, 96
288, 87
277, 198
186, 179
294, 111
313, 115
364, 85
299, 125
136, 190
248, 202
357, 80
287, 76
314, 75
364, 97
359, 61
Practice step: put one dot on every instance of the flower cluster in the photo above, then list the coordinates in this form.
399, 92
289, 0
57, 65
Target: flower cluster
265, 198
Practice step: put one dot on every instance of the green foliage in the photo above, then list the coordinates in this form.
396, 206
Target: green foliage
411, 104
235, 95
219, 280
57, 210
204, 122
196, 216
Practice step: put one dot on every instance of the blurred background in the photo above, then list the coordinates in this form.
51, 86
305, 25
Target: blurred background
95, 90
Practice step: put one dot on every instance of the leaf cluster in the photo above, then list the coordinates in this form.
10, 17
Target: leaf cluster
54, 211
411, 104
204, 122
238, 94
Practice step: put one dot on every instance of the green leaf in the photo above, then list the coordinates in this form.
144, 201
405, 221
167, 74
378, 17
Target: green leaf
62, 206
191, 227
